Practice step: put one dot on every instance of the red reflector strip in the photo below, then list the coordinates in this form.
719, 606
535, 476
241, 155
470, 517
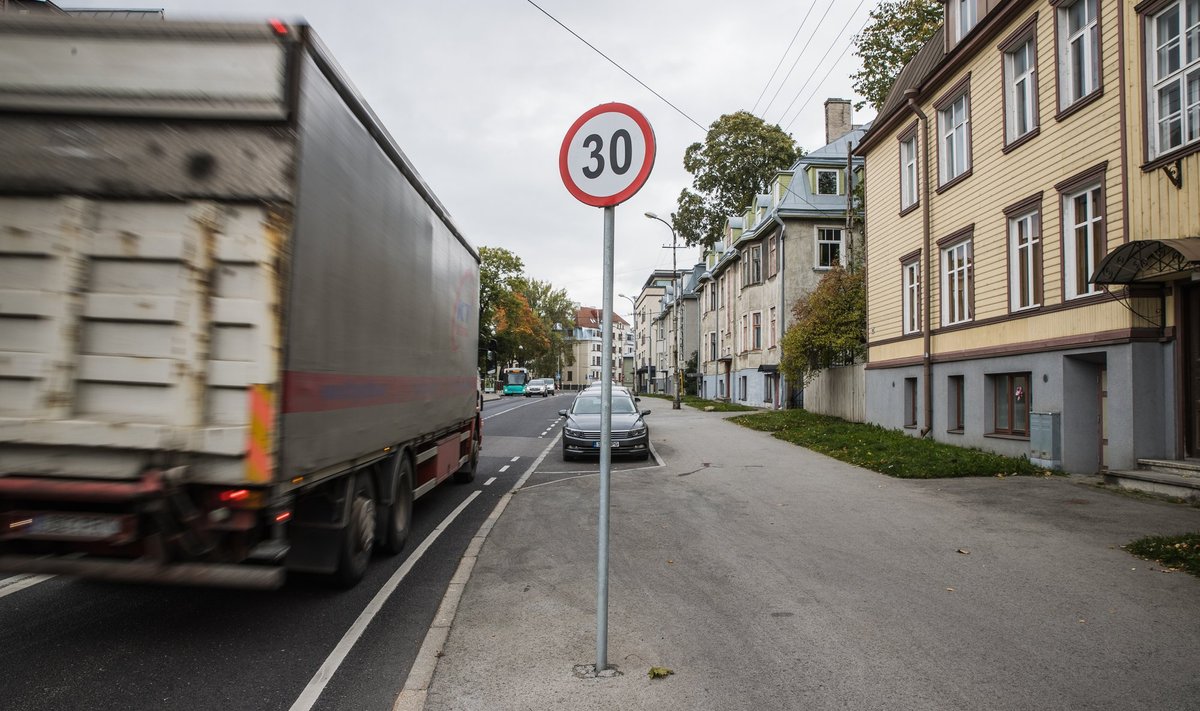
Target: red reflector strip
279, 27
235, 495
281, 517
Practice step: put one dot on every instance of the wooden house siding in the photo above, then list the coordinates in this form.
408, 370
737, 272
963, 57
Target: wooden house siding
1062, 149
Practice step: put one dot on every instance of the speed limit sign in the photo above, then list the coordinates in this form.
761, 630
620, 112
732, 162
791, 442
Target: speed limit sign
607, 155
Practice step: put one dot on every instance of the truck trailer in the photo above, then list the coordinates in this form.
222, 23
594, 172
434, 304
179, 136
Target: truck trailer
238, 331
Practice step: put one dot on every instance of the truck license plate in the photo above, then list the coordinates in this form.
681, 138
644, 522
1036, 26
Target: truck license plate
75, 526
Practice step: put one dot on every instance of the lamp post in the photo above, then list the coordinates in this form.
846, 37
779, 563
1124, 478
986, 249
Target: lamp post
635, 343
676, 333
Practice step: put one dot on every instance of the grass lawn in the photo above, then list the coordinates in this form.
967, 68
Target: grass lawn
1175, 552
882, 450
701, 403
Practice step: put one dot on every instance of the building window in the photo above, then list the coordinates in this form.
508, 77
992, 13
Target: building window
1078, 52
755, 264
910, 402
771, 334
712, 346
745, 333
1083, 238
756, 330
772, 257
1011, 397
908, 172
966, 18
1020, 89
1174, 91
955, 403
768, 387
956, 283
829, 247
570, 376
712, 296
742, 388
912, 295
829, 182
954, 129
1024, 261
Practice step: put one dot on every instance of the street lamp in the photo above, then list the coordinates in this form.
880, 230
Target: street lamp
635, 343
674, 307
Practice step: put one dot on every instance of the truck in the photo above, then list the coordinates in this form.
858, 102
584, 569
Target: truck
238, 330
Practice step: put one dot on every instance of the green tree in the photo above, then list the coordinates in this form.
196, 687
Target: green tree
556, 312
897, 29
738, 159
500, 273
829, 328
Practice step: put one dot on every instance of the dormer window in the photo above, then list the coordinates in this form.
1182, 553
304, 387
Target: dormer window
829, 182
966, 19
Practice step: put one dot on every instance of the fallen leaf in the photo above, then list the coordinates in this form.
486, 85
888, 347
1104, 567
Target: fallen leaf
670, 562
660, 672
949, 589
964, 551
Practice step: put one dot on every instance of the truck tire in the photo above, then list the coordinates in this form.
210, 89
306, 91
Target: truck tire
466, 473
358, 537
399, 514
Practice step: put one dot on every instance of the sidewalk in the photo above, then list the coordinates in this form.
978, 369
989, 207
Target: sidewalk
770, 577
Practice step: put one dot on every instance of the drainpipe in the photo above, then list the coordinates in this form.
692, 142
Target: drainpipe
781, 326
926, 358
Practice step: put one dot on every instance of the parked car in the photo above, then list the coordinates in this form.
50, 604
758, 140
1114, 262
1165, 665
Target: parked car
537, 386
581, 431
551, 388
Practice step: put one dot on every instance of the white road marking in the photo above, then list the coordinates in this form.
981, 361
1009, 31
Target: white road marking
312, 692
8, 586
503, 468
416, 686
489, 481
514, 459
515, 407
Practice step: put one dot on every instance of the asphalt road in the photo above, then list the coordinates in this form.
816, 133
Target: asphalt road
71, 644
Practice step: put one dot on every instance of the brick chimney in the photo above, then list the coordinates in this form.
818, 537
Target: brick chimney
837, 119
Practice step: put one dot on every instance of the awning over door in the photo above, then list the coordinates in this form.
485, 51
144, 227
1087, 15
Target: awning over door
1149, 260
769, 368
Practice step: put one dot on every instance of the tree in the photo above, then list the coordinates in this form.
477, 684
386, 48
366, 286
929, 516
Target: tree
738, 159
896, 30
556, 312
829, 329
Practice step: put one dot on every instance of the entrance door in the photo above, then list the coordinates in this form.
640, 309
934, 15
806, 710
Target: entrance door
1190, 339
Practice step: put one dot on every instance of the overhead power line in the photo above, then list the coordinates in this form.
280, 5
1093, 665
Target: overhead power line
816, 66
822, 82
781, 58
796, 61
618, 66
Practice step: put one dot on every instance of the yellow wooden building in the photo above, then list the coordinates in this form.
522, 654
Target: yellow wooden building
1031, 184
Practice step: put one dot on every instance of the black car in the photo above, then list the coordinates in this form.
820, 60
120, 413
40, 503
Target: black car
581, 432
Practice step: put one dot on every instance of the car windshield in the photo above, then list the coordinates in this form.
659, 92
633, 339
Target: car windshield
590, 405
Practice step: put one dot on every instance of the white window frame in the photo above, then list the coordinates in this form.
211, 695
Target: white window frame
1087, 229
1020, 90
756, 331
837, 181
912, 296
756, 272
908, 172
1165, 80
954, 138
1082, 47
1024, 241
713, 352
957, 266
819, 240
965, 20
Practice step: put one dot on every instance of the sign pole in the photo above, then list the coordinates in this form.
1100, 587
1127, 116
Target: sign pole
604, 160
605, 446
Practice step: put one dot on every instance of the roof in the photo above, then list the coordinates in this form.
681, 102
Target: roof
911, 76
592, 317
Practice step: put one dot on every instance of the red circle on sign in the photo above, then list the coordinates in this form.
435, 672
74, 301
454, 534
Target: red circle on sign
638, 181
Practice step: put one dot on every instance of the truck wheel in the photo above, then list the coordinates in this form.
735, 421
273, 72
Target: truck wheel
466, 473
358, 537
399, 515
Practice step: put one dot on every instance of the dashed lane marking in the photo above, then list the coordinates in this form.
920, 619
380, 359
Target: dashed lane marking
489, 481
503, 468
8, 586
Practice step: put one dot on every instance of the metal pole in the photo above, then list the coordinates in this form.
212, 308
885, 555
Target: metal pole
605, 447
675, 314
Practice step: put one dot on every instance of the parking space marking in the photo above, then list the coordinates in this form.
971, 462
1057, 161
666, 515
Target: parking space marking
489, 481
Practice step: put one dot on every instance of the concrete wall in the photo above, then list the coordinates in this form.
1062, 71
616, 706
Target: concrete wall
840, 392
1140, 411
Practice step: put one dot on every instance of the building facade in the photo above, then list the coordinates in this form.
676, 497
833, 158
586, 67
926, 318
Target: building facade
587, 345
1015, 173
771, 255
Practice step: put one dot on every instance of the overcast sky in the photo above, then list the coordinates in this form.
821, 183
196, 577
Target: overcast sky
479, 94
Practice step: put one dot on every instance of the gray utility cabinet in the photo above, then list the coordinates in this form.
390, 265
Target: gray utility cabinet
1045, 439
